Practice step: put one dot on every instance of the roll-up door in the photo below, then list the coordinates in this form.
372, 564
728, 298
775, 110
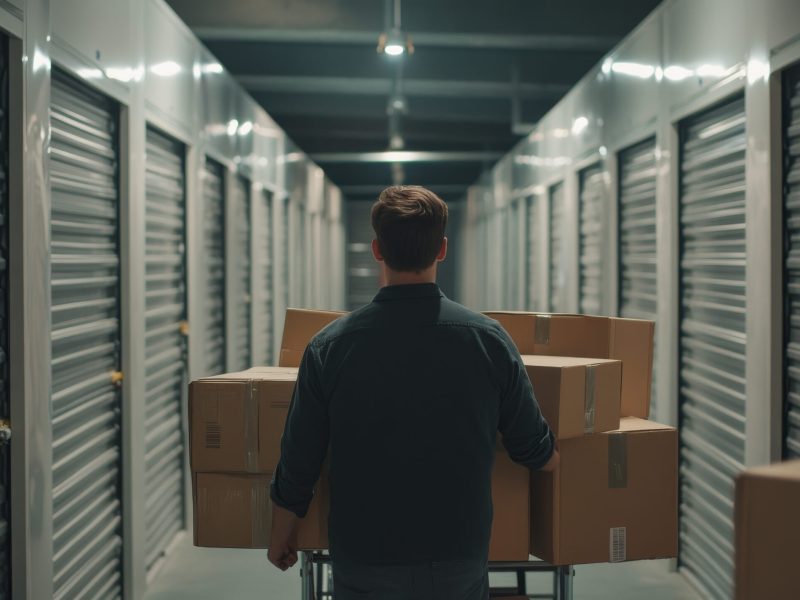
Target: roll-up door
792, 275
558, 265
240, 272
5, 409
85, 314
593, 210
531, 254
712, 340
285, 250
362, 270
214, 241
637, 235
165, 343
263, 261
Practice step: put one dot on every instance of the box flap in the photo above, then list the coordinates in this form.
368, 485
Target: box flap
635, 424
256, 374
299, 327
538, 360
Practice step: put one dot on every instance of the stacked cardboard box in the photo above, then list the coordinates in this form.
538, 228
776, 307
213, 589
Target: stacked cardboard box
767, 531
614, 495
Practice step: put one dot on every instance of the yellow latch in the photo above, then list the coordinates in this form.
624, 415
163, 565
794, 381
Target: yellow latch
117, 377
184, 327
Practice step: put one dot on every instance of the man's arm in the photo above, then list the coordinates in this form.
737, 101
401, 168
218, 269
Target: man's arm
303, 448
526, 435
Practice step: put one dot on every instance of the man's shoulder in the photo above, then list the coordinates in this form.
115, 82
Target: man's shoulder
345, 324
454, 313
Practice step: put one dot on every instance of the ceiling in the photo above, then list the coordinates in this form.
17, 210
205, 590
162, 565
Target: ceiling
481, 74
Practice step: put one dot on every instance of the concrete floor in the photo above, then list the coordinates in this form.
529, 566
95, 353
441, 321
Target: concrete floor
211, 574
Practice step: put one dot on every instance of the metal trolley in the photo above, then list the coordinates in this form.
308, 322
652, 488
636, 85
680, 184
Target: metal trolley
315, 571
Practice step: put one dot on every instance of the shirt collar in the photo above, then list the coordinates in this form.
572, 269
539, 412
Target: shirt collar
408, 291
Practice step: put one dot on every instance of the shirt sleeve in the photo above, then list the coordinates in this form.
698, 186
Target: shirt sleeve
526, 435
305, 439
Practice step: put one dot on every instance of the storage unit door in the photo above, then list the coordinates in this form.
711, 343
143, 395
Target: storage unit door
5, 409
214, 242
593, 210
165, 344
712, 340
362, 270
285, 250
240, 266
792, 275
85, 314
558, 266
263, 260
637, 236
531, 254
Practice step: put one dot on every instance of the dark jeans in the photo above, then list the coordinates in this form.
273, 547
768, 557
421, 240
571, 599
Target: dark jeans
449, 580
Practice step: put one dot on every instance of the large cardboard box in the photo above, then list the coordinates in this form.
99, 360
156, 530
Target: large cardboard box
613, 497
233, 510
628, 340
768, 532
510, 539
299, 327
576, 395
236, 420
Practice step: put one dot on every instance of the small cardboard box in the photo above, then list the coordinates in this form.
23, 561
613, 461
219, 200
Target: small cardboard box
511, 501
236, 420
576, 395
233, 510
768, 531
628, 340
299, 327
613, 497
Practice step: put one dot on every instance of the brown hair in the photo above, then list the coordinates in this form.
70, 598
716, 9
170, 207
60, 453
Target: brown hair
409, 223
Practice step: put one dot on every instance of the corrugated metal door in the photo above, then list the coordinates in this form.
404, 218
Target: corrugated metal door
593, 210
531, 254
712, 340
5, 409
637, 236
558, 266
263, 261
86, 398
165, 344
240, 268
214, 241
791, 220
285, 250
362, 270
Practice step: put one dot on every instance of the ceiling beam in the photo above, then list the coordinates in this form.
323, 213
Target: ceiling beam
405, 156
561, 42
431, 88
370, 190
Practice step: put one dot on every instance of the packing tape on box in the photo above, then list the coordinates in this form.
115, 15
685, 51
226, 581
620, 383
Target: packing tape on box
251, 428
259, 498
541, 335
617, 460
588, 400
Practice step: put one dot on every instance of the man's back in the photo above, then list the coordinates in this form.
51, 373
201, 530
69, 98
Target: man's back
414, 388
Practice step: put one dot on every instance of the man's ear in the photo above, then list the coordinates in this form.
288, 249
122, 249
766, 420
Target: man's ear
376, 252
442, 251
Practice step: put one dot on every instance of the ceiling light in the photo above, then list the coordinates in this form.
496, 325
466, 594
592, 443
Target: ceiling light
166, 69
395, 43
233, 126
633, 69
245, 128
677, 73
579, 124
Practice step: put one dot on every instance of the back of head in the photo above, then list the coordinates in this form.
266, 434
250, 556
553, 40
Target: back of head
409, 223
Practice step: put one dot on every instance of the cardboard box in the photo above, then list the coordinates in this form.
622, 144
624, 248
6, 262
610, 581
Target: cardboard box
299, 327
236, 420
511, 500
614, 497
628, 340
233, 510
768, 531
576, 395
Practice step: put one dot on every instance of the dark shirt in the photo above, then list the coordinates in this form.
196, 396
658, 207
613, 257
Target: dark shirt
405, 396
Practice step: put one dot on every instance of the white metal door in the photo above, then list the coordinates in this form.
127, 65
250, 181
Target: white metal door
263, 293
5, 408
165, 343
791, 220
712, 340
214, 242
86, 399
558, 264
593, 211
362, 270
240, 266
531, 254
285, 251
637, 236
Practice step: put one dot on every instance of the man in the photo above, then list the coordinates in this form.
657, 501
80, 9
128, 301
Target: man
405, 397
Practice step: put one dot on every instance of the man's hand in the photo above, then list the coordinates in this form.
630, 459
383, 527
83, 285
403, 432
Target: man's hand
283, 541
552, 464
